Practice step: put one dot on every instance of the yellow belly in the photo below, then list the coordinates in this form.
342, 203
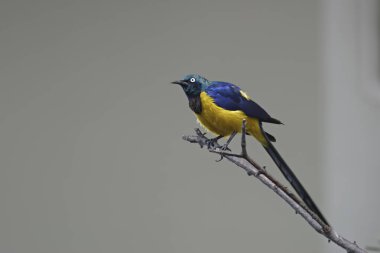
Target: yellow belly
224, 122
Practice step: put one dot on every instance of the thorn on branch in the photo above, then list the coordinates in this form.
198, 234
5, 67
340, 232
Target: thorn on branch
250, 173
243, 139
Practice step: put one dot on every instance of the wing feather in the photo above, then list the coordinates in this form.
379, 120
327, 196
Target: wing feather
231, 97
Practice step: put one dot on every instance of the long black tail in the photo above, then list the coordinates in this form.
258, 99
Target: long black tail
289, 175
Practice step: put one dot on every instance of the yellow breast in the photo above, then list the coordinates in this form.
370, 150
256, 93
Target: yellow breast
223, 122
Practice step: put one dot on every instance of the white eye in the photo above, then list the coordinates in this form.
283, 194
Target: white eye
192, 80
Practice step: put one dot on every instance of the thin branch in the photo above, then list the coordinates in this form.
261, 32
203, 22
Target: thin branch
252, 168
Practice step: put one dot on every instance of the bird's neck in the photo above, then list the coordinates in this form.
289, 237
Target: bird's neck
195, 104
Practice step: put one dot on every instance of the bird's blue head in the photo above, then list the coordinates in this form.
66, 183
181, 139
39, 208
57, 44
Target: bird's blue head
193, 84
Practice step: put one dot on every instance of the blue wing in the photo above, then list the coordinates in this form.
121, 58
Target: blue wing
230, 97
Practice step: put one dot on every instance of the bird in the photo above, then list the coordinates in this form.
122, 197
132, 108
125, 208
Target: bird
221, 107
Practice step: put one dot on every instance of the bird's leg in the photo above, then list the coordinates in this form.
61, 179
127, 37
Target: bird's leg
225, 146
211, 142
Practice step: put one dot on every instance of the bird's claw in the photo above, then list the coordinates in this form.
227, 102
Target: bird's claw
225, 147
221, 158
212, 143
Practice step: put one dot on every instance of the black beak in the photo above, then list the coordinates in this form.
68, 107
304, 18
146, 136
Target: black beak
181, 82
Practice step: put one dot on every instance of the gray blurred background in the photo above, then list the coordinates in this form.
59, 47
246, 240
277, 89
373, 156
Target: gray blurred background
91, 155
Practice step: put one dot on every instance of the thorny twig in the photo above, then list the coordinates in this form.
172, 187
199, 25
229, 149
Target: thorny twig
252, 168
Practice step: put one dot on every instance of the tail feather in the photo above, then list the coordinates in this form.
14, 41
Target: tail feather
293, 180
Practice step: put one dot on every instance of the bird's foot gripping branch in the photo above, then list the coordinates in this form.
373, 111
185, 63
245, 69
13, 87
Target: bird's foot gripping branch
252, 168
